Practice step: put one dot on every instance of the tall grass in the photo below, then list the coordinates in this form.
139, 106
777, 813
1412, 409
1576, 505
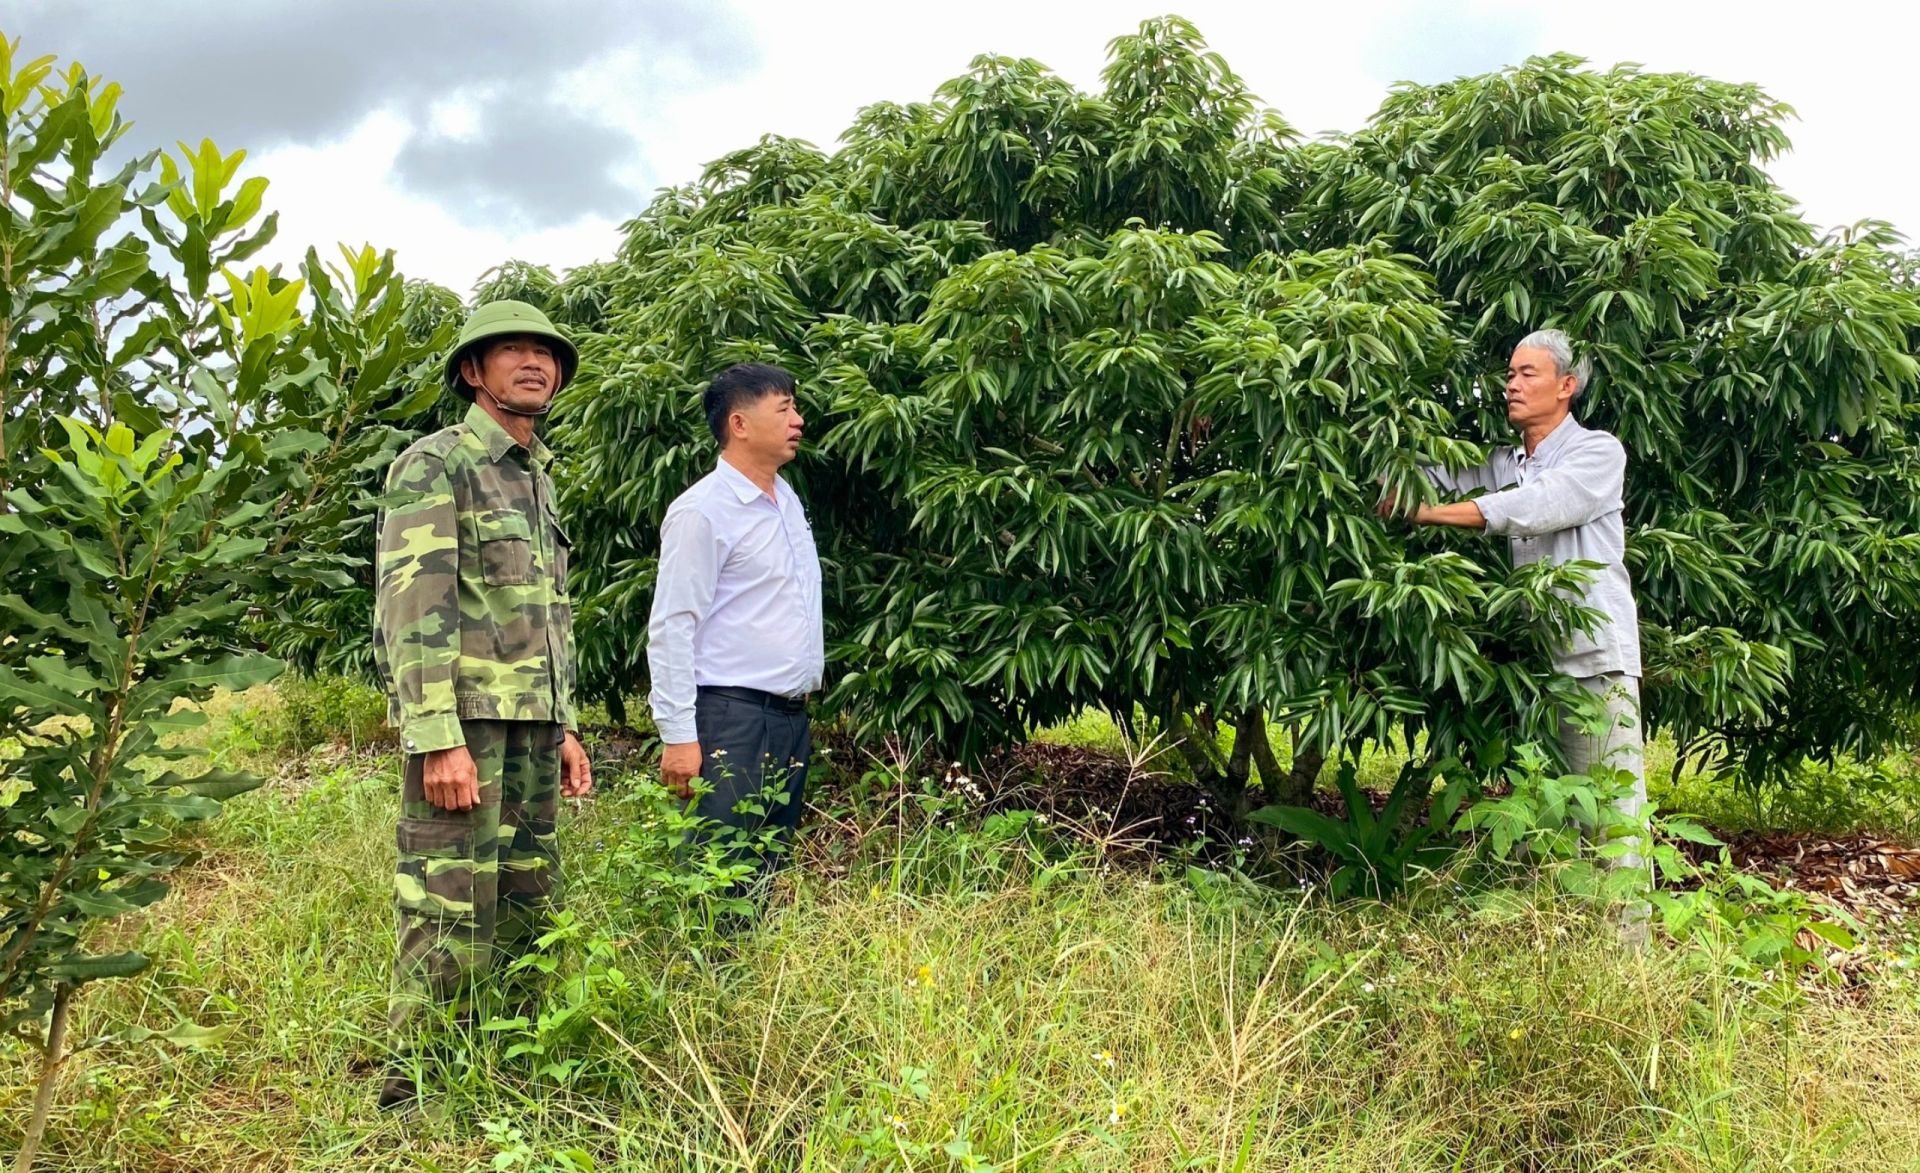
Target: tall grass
918, 996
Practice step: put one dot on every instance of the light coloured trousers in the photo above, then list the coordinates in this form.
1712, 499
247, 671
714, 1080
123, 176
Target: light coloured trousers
1620, 747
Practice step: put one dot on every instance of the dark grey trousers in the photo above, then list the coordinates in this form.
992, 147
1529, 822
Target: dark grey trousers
755, 759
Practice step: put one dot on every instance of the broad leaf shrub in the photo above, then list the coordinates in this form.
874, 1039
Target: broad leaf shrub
1566, 829
369, 386
185, 454
1104, 388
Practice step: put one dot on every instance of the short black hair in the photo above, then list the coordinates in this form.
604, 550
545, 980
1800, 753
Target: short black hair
738, 386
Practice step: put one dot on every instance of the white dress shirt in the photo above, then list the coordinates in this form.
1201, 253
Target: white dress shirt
737, 599
1565, 503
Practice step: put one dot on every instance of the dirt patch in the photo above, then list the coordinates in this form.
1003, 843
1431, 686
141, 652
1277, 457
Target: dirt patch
1864, 874
1106, 795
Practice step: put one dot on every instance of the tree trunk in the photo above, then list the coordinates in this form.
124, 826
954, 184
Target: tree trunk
1250, 729
1225, 780
54, 1056
1294, 786
1195, 744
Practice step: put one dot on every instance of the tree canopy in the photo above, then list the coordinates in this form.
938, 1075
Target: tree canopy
1105, 388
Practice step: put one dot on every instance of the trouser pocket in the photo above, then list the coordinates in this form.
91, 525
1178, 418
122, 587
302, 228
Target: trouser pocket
434, 876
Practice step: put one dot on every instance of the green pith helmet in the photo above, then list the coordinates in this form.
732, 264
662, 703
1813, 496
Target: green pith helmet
497, 318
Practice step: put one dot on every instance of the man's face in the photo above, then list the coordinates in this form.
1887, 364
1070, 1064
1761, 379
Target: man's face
1535, 393
769, 428
519, 370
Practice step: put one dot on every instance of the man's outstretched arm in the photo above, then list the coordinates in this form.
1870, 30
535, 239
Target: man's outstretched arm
1464, 514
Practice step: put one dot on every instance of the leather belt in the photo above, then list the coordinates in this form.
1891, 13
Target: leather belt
772, 701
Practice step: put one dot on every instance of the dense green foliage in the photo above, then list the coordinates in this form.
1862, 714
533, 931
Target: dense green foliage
1105, 388
1761, 379
186, 448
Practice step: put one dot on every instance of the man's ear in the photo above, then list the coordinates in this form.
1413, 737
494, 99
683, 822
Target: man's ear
470, 370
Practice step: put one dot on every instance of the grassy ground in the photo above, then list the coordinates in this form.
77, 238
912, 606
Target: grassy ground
928, 997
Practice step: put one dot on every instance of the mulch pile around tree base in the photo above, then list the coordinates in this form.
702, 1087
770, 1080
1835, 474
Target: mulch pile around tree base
1863, 874
1134, 812
1869, 877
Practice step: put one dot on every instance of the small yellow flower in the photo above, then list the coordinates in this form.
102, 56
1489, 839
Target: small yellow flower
1103, 1058
1116, 1113
1518, 1032
924, 976
899, 1125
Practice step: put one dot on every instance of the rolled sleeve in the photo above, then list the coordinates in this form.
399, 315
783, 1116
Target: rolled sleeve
1587, 485
1466, 480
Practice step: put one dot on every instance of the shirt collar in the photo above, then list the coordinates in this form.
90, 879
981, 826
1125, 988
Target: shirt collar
495, 437
742, 487
1562, 433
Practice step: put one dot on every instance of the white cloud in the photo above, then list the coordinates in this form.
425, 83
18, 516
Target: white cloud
455, 117
808, 69
1845, 67
344, 192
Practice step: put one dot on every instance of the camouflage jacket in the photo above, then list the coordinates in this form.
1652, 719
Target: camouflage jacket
471, 618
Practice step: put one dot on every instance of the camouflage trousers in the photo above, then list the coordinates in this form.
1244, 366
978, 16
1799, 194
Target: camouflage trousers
474, 888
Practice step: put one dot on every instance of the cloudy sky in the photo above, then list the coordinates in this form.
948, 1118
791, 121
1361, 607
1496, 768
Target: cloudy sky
464, 132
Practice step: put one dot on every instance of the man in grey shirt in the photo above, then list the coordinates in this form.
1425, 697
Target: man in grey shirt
1558, 497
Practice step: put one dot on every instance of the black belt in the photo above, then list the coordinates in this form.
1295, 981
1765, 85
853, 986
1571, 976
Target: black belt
754, 696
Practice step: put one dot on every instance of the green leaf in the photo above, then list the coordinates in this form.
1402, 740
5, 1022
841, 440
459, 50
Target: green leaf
184, 807
69, 817
235, 673
42, 621
99, 904
423, 396
87, 968
1304, 823
1832, 934
62, 674
42, 700
219, 785
187, 1035
1690, 831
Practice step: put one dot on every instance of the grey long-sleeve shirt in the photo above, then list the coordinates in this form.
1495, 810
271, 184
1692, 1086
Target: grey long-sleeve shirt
1564, 504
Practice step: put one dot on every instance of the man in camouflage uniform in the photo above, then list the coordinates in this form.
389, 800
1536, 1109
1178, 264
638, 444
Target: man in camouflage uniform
473, 632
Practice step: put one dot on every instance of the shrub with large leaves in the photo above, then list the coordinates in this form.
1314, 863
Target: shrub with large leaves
1104, 389
186, 461
370, 383
1762, 379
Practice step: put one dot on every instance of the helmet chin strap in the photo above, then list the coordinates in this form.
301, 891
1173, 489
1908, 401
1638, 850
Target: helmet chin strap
510, 410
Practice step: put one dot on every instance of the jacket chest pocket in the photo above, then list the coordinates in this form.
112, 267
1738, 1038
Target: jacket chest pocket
506, 550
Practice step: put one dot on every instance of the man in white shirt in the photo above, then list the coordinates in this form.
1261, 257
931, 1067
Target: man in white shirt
735, 642
1559, 497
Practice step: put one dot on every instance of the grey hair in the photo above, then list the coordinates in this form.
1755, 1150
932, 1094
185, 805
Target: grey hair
1556, 343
